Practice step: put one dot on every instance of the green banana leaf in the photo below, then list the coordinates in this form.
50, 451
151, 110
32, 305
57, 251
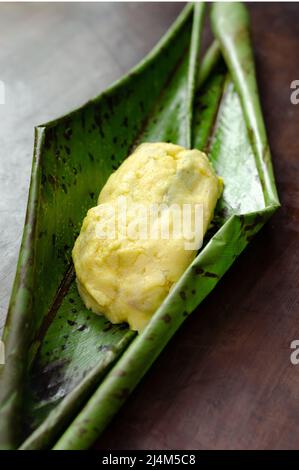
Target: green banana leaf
67, 370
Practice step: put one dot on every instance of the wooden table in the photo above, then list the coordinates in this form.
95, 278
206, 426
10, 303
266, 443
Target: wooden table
225, 380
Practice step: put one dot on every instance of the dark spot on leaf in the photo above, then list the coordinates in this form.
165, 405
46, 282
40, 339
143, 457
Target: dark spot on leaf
108, 327
71, 322
183, 295
166, 318
52, 180
68, 133
98, 122
266, 154
46, 381
150, 337
105, 348
256, 221
67, 149
82, 328
50, 136
201, 106
122, 394
120, 373
212, 275
41, 233
198, 270
86, 372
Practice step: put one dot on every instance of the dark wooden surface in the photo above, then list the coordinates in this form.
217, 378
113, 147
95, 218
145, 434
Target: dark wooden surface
225, 380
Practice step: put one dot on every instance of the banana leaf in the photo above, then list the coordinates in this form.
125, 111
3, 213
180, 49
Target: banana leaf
67, 370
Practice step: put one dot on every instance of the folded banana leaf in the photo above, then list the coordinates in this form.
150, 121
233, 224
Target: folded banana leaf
67, 370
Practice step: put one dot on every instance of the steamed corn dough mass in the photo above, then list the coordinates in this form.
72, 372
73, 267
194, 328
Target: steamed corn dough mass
126, 277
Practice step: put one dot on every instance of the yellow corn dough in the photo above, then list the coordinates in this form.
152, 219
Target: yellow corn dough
126, 277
